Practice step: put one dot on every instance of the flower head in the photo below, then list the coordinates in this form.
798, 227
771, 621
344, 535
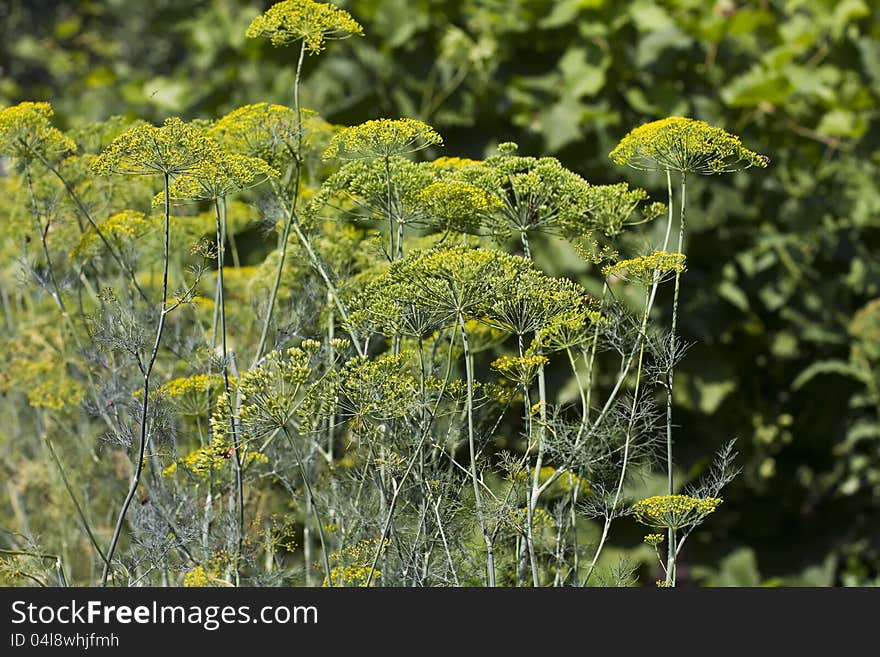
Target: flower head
312, 22
25, 132
219, 175
457, 206
685, 145
648, 269
120, 229
674, 511
193, 395
258, 130
521, 369
173, 149
382, 138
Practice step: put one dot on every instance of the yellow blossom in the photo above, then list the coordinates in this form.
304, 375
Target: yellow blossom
313, 22
26, 133
685, 145
674, 511
381, 138
647, 269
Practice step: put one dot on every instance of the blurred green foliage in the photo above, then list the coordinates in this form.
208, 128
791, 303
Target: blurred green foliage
783, 264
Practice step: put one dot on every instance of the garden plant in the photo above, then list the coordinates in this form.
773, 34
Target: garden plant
261, 348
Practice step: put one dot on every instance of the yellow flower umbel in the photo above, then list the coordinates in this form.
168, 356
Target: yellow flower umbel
26, 133
382, 138
684, 145
313, 22
218, 175
258, 130
648, 269
520, 369
456, 205
674, 511
119, 229
173, 149
193, 395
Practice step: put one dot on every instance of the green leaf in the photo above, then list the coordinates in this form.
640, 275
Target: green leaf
756, 87
842, 123
733, 294
839, 367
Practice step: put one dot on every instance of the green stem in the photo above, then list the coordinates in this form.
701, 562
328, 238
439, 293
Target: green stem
147, 370
626, 445
314, 507
220, 215
289, 219
478, 498
670, 565
69, 488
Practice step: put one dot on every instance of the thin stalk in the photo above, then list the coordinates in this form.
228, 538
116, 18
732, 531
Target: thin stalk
392, 253
285, 233
69, 488
314, 507
632, 415
478, 498
147, 370
220, 215
670, 564
88, 215
536, 475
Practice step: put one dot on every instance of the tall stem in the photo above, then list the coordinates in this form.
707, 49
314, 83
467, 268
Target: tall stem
536, 475
88, 215
289, 219
220, 215
478, 497
626, 445
314, 508
670, 564
147, 369
79, 511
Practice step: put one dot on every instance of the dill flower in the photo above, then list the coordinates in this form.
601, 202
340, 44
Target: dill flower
56, 393
453, 282
526, 300
382, 138
520, 369
173, 149
674, 511
360, 190
380, 389
457, 206
684, 145
268, 393
193, 395
210, 458
648, 269
121, 228
537, 194
25, 130
654, 539
313, 22
260, 130
218, 175
352, 563
610, 208
447, 163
